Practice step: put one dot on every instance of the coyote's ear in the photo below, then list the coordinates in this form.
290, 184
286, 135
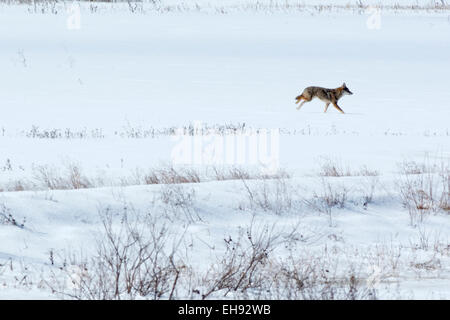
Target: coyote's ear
344, 84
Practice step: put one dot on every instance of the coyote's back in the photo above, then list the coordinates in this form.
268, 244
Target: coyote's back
326, 95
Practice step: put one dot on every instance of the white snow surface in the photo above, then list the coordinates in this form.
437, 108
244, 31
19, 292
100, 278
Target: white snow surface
124, 71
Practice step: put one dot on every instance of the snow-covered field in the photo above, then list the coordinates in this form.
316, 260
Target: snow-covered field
93, 97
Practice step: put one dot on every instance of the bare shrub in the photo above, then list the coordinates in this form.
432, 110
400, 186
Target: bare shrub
179, 199
6, 217
329, 196
425, 190
333, 168
75, 178
385, 256
21, 184
50, 177
131, 260
428, 251
239, 174
240, 267
367, 187
444, 175
412, 167
317, 278
18, 185
274, 195
367, 172
415, 193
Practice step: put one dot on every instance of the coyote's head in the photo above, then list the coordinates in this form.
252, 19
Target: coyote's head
345, 89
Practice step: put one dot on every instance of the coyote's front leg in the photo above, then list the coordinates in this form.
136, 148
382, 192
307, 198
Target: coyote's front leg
299, 98
337, 107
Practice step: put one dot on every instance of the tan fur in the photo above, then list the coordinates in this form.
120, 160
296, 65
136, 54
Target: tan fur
326, 95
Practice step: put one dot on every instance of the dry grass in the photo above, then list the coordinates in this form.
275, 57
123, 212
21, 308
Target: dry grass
424, 188
330, 167
71, 176
274, 195
329, 196
170, 175
49, 177
367, 187
220, 8
179, 203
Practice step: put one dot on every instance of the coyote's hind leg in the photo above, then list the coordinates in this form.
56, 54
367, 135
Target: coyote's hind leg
326, 106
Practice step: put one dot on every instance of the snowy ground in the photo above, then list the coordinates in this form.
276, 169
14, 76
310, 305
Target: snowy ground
123, 74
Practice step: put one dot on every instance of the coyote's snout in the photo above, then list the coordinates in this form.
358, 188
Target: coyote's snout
326, 95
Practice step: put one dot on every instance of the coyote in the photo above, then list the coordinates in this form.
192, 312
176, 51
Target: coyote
326, 95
